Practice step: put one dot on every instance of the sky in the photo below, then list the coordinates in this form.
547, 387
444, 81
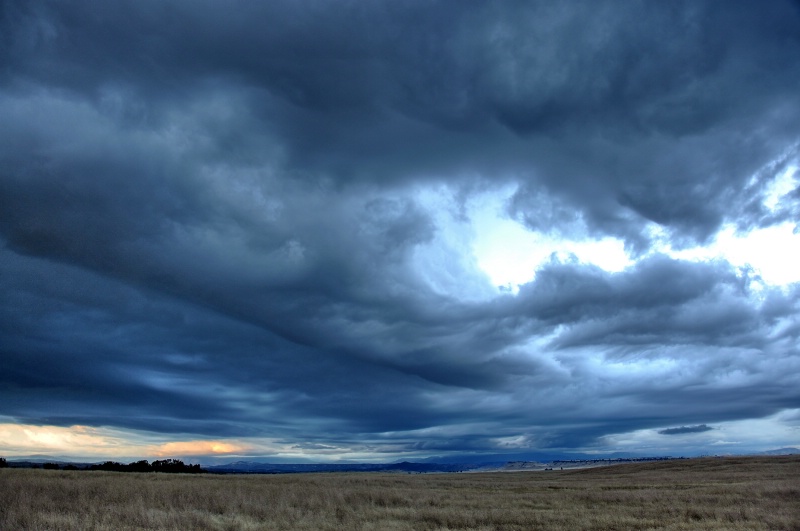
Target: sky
368, 231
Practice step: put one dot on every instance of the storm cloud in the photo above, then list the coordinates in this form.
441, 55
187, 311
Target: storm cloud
686, 429
254, 220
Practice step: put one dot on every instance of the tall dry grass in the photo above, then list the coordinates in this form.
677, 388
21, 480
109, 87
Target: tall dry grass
732, 493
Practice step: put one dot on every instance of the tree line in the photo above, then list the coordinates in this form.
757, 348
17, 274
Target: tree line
174, 466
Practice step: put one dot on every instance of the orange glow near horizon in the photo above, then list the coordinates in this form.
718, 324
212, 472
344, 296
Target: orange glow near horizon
25, 439
89, 442
195, 448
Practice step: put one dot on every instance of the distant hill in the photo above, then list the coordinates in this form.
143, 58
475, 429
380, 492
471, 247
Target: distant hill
248, 467
452, 463
494, 463
781, 451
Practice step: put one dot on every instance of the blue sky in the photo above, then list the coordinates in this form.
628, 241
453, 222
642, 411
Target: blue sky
381, 230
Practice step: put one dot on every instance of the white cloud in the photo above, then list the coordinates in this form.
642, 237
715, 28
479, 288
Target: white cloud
739, 436
509, 253
772, 252
783, 184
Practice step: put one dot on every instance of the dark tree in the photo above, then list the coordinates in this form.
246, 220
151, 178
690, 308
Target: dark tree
140, 466
109, 465
164, 465
3, 462
175, 466
168, 465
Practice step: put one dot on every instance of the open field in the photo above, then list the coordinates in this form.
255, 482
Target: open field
730, 493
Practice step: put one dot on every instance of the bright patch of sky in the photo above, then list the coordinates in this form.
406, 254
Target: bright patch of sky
738, 436
479, 250
80, 443
509, 254
773, 252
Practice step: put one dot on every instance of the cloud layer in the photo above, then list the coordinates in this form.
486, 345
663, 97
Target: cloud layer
251, 220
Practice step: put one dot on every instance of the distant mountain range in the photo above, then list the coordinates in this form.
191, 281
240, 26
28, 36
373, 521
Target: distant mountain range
458, 463
454, 463
781, 451
287, 468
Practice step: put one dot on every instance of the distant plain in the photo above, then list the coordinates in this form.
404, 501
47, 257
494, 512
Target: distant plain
735, 493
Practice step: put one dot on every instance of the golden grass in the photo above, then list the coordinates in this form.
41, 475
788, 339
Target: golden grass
730, 493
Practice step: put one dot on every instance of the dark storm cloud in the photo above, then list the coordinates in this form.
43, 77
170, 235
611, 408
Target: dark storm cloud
211, 221
110, 355
629, 113
686, 429
77, 346
659, 301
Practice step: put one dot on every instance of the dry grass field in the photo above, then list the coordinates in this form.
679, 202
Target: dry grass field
730, 493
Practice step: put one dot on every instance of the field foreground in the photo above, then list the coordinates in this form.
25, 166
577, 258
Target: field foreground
729, 493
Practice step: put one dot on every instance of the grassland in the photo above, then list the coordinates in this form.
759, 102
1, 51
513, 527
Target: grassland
730, 493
